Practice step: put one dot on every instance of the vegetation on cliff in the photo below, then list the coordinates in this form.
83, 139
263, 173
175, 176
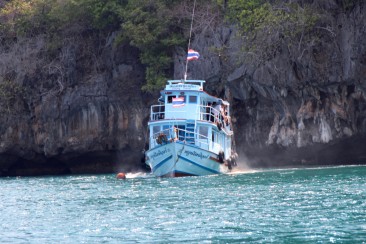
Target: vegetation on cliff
156, 28
267, 26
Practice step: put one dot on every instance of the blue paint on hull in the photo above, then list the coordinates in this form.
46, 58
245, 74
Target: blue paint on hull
179, 159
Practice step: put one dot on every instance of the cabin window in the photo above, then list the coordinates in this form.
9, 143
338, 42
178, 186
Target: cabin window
170, 99
215, 137
192, 99
203, 131
156, 129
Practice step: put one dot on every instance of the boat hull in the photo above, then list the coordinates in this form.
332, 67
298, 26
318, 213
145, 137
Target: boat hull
180, 159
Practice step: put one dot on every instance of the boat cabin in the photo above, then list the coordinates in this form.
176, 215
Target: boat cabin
188, 114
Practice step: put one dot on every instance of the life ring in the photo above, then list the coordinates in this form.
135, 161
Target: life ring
158, 139
164, 139
161, 139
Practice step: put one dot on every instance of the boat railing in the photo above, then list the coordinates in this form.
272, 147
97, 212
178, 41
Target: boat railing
169, 135
157, 112
206, 113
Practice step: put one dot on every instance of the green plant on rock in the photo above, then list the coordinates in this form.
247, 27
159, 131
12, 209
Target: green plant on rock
14, 16
91, 14
33, 17
245, 13
266, 25
152, 27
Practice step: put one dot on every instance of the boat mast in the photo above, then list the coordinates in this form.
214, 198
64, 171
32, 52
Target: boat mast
189, 41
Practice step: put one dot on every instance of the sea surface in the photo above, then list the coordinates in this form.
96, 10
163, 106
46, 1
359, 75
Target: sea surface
310, 205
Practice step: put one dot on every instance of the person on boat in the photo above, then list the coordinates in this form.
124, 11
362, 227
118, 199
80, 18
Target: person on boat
224, 115
223, 111
174, 134
219, 110
227, 120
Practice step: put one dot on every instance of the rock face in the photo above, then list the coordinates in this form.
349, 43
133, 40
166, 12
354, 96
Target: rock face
82, 112
82, 109
299, 106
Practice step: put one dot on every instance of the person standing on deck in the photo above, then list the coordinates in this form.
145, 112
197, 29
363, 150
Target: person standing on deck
174, 134
217, 109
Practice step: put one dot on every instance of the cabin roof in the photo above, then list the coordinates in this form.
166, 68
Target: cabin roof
191, 85
188, 86
185, 81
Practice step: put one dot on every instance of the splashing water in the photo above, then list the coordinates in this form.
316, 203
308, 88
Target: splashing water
138, 175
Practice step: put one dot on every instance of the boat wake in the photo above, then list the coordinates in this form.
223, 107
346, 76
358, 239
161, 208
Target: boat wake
138, 175
242, 170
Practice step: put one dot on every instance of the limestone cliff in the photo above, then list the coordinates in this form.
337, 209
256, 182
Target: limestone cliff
79, 107
300, 105
82, 110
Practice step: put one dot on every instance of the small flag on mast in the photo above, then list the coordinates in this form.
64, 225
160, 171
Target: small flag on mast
192, 55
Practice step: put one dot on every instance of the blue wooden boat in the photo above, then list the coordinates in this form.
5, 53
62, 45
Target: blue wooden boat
190, 132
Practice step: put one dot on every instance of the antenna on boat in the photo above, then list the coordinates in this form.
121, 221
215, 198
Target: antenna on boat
189, 41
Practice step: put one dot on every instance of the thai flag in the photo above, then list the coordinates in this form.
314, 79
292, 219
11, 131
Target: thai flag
192, 55
178, 102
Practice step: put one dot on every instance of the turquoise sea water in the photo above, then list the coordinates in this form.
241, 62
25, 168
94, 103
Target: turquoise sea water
281, 206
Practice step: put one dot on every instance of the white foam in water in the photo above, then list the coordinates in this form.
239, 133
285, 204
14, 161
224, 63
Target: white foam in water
242, 170
138, 175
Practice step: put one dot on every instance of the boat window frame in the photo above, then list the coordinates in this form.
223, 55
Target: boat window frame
201, 135
192, 102
215, 136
